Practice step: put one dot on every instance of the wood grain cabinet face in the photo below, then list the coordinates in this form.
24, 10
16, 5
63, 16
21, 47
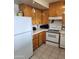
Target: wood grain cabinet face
27, 10
39, 39
42, 38
52, 11
45, 17
56, 9
35, 42
40, 17
33, 18
37, 16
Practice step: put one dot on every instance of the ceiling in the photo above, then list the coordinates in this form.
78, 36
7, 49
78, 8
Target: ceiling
29, 2
36, 4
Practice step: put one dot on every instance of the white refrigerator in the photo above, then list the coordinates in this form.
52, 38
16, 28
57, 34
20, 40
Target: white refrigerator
23, 47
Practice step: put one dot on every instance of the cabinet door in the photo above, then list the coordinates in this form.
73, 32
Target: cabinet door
55, 9
36, 13
38, 16
45, 17
52, 10
59, 9
27, 10
44, 37
35, 41
40, 39
33, 18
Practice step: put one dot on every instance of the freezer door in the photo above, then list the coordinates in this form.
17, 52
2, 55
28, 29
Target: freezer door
22, 24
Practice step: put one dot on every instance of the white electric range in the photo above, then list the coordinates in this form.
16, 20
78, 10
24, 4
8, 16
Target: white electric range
53, 34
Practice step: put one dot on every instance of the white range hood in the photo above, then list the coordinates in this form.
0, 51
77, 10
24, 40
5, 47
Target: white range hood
55, 18
43, 3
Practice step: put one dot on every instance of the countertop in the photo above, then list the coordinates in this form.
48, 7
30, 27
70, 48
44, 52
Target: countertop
39, 30
62, 31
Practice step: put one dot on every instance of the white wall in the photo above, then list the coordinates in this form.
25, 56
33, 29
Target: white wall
16, 9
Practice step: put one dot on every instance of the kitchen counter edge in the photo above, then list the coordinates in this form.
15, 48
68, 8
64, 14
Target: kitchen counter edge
39, 30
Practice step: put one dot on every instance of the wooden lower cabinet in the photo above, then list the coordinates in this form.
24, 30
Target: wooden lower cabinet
35, 41
42, 38
39, 39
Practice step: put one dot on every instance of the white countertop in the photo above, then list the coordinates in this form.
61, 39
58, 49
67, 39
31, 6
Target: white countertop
39, 30
62, 31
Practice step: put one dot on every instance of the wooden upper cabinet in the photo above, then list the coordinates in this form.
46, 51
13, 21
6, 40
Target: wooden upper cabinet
52, 10
45, 17
37, 16
56, 9
40, 16
27, 10
33, 18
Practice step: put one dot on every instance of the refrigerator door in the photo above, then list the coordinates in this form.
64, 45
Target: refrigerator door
22, 24
23, 48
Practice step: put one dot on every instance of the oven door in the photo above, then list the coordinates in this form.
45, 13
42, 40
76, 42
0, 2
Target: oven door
52, 37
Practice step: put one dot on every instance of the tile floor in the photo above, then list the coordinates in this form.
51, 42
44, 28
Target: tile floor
49, 52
